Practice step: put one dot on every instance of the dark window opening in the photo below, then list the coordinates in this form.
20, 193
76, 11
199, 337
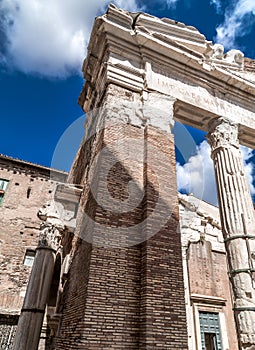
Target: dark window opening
29, 192
210, 341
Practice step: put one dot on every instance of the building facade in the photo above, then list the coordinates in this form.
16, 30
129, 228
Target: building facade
124, 262
24, 187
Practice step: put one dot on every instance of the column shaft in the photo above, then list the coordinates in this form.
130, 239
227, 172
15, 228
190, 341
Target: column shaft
32, 313
238, 224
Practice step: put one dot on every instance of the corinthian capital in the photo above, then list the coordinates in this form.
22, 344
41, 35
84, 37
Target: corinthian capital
222, 133
50, 236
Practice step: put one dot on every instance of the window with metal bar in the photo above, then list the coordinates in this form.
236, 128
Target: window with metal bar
3, 187
29, 257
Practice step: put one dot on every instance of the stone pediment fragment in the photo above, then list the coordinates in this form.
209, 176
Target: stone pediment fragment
175, 33
119, 16
233, 59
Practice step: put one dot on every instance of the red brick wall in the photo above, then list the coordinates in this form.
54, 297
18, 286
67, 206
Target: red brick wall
163, 316
19, 226
208, 275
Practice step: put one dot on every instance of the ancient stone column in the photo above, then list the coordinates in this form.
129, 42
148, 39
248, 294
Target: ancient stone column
32, 313
238, 224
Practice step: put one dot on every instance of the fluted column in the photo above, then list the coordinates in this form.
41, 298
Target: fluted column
32, 313
238, 224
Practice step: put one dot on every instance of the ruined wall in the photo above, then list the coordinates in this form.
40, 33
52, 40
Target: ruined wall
206, 277
29, 188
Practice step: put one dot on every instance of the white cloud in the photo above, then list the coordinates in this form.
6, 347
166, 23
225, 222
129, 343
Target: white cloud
217, 4
247, 154
171, 3
129, 5
197, 175
238, 22
49, 37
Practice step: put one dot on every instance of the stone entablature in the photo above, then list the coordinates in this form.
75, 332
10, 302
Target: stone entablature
172, 59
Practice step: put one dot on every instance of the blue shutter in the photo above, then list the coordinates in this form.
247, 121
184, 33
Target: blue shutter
209, 324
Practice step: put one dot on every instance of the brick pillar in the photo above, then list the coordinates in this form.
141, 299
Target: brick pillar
125, 287
163, 316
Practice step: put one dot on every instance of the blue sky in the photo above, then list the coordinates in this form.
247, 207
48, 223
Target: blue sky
42, 46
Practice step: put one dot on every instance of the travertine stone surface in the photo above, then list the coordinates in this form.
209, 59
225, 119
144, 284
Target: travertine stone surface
238, 223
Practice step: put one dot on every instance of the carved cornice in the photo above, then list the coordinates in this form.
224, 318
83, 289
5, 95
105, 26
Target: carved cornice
182, 64
133, 32
222, 133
